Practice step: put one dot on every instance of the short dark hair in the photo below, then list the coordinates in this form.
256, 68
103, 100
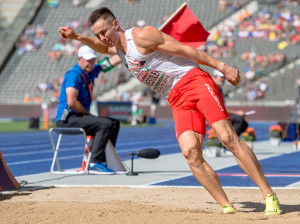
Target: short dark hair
102, 13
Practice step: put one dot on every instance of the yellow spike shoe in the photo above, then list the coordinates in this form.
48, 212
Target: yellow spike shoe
228, 209
272, 205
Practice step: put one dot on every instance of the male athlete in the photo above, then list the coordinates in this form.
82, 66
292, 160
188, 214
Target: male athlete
171, 69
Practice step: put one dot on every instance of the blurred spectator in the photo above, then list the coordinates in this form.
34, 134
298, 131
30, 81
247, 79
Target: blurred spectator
222, 5
126, 96
237, 5
252, 94
51, 85
234, 4
222, 43
135, 100
282, 25
258, 62
137, 117
121, 75
30, 39
263, 86
140, 23
69, 47
251, 91
37, 99
131, 1
154, 102
53, 3
76, 3
250, 71
42, 87
297, 85
54, 55
54, 97
288, 3
26, 97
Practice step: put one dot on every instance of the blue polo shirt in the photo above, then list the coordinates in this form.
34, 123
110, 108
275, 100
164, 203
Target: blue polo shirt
74, 79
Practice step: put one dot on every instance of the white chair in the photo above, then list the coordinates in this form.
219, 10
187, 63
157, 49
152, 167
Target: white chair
55, 147
112, 158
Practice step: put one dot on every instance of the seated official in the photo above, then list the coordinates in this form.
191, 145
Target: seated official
75, 99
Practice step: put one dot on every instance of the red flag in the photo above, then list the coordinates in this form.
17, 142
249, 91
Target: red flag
186, 28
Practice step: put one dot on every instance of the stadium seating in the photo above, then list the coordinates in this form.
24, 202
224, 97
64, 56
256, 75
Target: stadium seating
22, 73
280, 85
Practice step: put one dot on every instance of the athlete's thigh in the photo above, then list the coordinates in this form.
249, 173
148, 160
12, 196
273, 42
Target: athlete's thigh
187, 119
210, 102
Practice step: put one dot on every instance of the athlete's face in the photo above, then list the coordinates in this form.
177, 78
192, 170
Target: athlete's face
86, 65
106, 31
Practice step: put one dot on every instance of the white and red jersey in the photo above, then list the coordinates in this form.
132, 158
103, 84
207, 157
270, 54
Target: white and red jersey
158, 71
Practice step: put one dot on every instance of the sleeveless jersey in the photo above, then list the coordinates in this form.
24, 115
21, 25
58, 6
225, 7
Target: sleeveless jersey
158, 71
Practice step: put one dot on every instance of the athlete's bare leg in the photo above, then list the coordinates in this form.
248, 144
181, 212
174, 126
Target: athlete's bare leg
243, 155
191, 145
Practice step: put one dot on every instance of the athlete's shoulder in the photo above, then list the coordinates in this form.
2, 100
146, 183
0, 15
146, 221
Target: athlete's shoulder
146, 36
144, 32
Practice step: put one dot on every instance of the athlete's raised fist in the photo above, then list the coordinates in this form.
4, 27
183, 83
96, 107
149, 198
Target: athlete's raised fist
231, 75
67, 33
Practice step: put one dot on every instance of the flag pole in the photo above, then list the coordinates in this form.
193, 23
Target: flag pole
171, 17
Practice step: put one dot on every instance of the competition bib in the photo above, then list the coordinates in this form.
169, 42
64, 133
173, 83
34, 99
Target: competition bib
158, 81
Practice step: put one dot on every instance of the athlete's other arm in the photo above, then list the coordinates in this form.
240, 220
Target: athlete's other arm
115, 60
93, 42
150, 39
67, 33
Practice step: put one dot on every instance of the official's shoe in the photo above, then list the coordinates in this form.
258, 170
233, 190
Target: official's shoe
228, 209
100, 168
272, 205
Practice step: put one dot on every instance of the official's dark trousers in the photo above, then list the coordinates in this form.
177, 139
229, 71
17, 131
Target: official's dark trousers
102, 128
239, 123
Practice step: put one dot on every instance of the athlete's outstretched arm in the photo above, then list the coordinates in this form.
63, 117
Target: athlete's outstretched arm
151, 38
67, 33
115, 60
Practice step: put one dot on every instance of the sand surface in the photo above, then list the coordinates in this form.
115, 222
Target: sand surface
141, 205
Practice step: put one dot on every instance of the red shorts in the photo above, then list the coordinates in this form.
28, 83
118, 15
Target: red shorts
194, 99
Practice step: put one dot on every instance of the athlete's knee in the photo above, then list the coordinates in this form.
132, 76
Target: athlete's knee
194, 158
192, 152
227, 138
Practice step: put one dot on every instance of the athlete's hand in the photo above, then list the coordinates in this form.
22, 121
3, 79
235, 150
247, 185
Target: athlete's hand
231, 75
67, 33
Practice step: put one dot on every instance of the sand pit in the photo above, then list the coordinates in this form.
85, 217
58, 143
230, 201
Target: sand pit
141, 205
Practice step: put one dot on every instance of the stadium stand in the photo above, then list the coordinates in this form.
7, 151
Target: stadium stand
263, 46
8, 10
280, 83
22, 74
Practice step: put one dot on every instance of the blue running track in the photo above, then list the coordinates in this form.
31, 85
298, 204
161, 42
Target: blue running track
28, 153
280, 171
